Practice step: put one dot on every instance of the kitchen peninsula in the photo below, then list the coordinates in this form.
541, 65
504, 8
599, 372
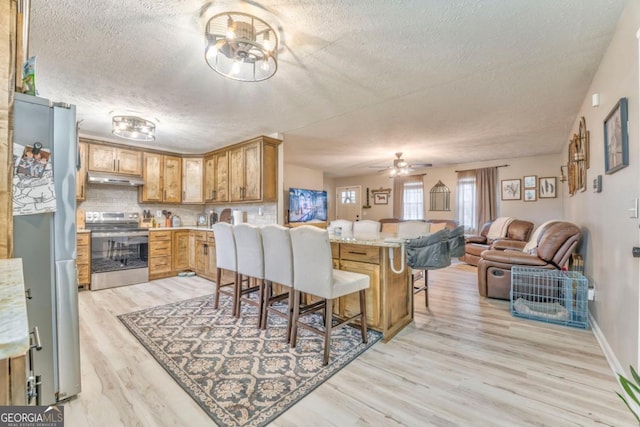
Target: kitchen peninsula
390, 294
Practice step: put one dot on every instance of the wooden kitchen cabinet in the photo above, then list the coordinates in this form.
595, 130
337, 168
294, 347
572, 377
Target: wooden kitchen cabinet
83, 259
81, 174
389, 297
253, 170
192, 180
172, 181
105, 158
205, 254
162, 179
216, 182
180, 250
160, 259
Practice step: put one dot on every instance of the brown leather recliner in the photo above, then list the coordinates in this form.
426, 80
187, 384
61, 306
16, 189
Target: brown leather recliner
556, 243
518, 231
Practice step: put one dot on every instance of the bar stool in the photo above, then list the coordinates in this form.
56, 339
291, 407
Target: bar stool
225, 260
278, 269
313, 274
250, 264
366, 226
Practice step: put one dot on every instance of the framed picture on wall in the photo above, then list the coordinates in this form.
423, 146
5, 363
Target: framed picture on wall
616, 138
530, 181
380, 198
510, 189
530, 195
547, 187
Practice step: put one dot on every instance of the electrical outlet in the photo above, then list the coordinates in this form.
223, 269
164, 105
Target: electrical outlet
592, 294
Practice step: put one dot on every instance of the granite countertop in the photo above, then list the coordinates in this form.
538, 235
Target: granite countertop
185, 227
377, 239
14, 324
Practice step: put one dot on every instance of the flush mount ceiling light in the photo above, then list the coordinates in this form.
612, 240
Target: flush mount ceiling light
241, 47
134, 128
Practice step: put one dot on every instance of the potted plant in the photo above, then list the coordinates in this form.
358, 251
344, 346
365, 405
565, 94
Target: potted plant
632, 390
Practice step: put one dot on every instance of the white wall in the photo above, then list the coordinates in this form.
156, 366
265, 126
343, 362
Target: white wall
536, 212
610, 233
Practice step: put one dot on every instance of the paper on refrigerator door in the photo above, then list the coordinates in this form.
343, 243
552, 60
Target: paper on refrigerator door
33, 189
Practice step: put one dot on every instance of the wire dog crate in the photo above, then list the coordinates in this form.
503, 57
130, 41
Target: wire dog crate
552, 296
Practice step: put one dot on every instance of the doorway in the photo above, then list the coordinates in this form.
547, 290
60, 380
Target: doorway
348, 204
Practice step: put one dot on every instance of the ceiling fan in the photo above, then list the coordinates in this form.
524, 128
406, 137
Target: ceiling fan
401, 166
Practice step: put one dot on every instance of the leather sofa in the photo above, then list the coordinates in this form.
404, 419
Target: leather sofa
556, 242
518, 231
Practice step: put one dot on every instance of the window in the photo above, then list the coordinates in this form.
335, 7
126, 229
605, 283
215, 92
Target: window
467, 203
348, 196
413, 201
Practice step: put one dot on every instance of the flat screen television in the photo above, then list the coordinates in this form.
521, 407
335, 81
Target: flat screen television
307, 205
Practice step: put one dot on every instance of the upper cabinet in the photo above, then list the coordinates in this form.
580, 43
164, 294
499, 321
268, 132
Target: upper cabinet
81, 174
253, 170
192, 188
216, 177
162, 179
105, 158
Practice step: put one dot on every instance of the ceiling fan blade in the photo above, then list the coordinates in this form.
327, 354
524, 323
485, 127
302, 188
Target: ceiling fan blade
380, 167
420, 165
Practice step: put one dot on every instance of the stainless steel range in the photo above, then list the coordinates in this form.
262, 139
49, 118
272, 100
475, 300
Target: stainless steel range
119, 249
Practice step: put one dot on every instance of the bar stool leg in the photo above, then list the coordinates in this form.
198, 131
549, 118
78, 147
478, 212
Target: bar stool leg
363, 316
328, 322
218, 278
294, 319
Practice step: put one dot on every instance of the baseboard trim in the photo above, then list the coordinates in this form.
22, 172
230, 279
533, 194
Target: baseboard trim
613, 361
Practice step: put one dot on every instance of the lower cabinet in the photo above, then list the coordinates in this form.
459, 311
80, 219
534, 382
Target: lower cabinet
204, 258
180, 250
174, 251
160, 258
389, 298
83, 259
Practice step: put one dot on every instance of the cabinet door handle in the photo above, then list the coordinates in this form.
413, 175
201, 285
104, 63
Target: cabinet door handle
206, 249
114, 164
183, 195
118, 165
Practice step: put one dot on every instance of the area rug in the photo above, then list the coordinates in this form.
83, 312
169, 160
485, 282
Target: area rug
240, 375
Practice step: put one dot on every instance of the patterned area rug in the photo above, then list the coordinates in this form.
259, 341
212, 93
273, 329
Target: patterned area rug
240, 375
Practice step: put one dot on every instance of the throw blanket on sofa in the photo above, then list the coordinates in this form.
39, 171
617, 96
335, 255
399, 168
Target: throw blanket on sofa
499, 227
532, 244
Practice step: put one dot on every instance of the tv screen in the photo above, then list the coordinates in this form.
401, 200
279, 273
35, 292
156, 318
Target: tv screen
307, 205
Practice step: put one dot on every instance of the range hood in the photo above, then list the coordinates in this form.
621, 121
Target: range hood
113, 179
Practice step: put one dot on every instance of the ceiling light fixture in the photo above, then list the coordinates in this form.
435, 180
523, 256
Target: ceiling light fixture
134, 128
241, 47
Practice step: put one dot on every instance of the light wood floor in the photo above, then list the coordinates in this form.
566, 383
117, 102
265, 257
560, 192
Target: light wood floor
464, 362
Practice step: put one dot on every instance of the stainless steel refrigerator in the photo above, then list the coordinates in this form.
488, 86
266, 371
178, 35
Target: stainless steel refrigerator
46, 243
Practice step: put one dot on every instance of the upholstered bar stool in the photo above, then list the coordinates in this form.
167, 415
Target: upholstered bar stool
225, 260
313, 274
366, 226
344, 224
278, 269
250, 265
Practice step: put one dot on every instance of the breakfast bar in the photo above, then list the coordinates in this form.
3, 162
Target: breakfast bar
390, 294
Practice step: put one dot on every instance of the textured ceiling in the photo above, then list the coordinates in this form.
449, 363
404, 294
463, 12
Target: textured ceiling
444, 81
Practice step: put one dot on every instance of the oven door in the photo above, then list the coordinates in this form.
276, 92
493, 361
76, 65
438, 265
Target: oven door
119, 258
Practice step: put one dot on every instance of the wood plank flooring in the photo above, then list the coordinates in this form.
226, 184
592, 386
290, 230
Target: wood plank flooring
465, 361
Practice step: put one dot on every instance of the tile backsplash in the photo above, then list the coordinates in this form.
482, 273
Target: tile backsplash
115, 198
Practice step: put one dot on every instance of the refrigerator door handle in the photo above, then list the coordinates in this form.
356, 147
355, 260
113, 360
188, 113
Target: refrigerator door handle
68, 335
